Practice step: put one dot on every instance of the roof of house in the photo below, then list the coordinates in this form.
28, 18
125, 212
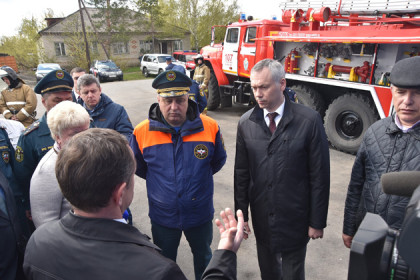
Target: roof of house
72, 21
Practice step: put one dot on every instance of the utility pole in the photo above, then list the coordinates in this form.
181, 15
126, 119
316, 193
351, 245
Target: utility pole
94, 28
84, 34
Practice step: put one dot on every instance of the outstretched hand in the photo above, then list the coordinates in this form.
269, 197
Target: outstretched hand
231, 231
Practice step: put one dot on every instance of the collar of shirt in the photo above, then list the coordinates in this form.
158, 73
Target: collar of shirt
76, 94
279, 110
56, 147
402, 127
121, 220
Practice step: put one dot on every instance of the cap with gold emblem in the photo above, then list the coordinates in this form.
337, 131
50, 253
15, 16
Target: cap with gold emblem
55, 81
172, 83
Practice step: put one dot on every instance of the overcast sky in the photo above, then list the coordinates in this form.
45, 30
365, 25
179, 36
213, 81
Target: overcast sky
14, 10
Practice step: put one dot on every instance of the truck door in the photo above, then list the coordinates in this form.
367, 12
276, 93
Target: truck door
230, 51
246, 58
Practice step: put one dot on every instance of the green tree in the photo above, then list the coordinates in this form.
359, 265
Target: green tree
118, 20
24, 46
75, 43
197, 16
217, 12
150, 18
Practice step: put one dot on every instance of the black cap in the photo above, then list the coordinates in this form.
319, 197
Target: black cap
172, 83
405, 73
55, 81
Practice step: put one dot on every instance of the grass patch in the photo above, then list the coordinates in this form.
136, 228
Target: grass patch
133, 73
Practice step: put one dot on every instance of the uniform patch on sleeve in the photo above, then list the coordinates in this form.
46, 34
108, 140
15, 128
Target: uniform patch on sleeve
19, 154
201, 151
5, 156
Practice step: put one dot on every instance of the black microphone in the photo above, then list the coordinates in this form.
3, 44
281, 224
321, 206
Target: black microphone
401, 183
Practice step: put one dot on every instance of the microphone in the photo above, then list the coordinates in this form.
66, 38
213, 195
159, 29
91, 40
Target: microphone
401, 183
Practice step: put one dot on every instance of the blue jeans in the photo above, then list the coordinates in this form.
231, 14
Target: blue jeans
199, 239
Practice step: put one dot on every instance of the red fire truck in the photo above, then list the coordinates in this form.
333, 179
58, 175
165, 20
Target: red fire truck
337, 59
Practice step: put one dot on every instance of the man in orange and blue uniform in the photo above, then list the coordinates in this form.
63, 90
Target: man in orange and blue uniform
177, 151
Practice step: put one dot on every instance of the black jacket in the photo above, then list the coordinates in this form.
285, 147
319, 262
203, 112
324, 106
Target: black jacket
12, 241
385, 148
284, 177
84, 248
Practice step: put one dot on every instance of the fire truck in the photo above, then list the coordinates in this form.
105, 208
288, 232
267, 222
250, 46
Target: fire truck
337, 58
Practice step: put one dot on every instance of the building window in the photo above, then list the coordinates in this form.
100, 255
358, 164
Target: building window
145, 46
120, 48
178, 45
60, 50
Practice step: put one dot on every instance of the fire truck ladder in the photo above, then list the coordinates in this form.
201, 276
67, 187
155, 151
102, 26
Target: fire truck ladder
361, 7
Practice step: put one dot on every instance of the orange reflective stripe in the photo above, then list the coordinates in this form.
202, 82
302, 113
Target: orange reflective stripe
146, 138
208, 135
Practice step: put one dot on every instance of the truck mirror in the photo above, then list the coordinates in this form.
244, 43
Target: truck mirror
212, 36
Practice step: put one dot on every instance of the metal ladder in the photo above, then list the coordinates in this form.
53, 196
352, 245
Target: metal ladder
362, 7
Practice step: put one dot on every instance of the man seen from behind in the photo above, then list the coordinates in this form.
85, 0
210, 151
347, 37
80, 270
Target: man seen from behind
95, 171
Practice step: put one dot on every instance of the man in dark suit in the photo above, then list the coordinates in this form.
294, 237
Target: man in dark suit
75, 73
282, 172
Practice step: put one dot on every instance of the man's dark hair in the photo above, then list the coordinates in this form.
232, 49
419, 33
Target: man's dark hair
77, 70
92, 165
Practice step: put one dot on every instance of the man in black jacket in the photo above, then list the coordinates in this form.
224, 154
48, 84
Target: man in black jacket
389, 145
12, 241
282, 172
96, 175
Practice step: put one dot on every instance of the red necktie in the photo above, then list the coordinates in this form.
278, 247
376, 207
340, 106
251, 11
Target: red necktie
271, 117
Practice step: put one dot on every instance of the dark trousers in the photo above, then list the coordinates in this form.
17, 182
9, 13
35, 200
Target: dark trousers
281, 266
199, 239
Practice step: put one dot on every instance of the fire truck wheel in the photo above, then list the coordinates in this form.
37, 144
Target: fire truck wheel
214, 93
307, 96
347, 119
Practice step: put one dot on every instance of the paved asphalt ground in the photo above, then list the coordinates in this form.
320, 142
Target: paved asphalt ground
327, 259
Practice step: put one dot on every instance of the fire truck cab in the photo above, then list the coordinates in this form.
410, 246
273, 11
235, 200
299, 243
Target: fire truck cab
337, 60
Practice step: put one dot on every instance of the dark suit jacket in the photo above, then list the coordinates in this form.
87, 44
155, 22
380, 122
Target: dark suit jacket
284, 177
85, 248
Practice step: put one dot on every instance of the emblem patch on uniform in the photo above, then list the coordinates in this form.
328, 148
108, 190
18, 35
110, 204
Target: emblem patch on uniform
59, 74
5, 155
171, 76
201, 151
19, 154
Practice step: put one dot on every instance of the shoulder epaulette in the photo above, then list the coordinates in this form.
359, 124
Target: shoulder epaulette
31, 128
